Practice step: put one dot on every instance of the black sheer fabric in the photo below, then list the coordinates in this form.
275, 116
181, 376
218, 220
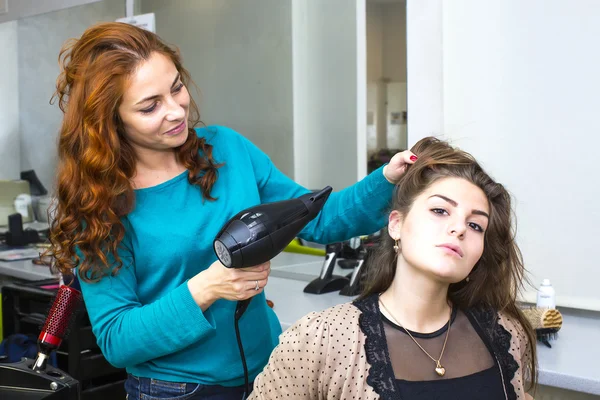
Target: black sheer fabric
471, 371
484, 385
465, 352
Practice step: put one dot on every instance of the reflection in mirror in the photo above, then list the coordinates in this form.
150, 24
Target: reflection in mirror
239, 56
386, 80
290, 88
9, 102
283, 73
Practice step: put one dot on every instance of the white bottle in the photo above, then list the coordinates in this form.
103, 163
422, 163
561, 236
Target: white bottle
23, 204
545, 295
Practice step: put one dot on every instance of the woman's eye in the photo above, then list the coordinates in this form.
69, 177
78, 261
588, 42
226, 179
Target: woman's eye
178, 88
439, 211
149, 109
475, 226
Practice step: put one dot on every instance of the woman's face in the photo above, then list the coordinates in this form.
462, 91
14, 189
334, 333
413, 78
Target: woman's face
442, 234
155, 106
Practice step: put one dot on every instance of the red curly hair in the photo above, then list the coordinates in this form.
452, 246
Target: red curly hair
96, 162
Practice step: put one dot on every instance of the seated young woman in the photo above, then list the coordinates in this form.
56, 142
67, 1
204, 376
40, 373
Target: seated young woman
438, 317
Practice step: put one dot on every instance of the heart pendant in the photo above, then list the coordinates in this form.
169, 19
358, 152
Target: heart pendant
440, 370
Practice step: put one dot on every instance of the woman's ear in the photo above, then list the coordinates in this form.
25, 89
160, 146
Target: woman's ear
395, 224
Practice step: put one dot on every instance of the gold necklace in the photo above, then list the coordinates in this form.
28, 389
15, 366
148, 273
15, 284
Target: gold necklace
439, 369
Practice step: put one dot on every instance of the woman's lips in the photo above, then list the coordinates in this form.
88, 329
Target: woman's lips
178, 129
453, 249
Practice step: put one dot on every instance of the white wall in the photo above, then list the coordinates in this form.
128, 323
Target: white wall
425, 69
9, 102
329, 92
518, 87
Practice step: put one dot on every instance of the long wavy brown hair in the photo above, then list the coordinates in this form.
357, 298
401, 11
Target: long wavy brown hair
498, 276
96, 162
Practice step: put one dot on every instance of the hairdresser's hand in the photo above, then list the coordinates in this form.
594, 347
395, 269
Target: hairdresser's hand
397, 165
220, 282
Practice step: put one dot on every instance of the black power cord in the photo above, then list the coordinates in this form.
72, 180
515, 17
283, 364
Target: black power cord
240, 308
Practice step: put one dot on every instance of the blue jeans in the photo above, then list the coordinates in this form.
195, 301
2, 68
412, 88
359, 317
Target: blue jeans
153, 389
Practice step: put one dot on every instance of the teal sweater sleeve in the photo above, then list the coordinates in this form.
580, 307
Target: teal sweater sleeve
360, 209
129, 333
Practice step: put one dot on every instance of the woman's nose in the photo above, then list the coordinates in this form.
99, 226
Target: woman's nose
176, 111
457, 228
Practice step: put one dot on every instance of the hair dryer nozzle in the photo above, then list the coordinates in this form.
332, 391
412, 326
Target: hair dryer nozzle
314, 201
322, 194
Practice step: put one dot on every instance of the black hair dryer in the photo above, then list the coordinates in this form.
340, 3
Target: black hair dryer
259, 233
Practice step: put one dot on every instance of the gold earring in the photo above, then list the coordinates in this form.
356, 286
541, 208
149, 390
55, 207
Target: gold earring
396, 246
467, 279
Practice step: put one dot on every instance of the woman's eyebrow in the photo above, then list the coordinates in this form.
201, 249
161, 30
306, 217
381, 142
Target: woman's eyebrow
455, 204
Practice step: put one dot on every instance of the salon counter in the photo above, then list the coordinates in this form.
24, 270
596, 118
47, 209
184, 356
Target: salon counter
23, 270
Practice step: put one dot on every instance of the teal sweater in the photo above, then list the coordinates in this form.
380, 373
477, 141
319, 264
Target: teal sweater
145, 318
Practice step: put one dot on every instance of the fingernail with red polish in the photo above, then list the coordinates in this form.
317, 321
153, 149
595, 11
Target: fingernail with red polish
413, 158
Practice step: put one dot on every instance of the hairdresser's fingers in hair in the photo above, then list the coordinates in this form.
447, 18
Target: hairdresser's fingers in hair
397, 165
404, 157
409, 156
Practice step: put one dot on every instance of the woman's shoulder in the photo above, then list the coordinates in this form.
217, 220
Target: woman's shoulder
513, 326
502, 328
226, 142
489, 317
342, 316
218, 133
506, 319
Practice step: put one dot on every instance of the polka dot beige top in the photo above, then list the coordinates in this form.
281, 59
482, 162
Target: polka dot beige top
344, 353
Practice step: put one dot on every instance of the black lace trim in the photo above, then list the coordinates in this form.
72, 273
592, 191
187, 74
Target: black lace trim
380, 376
500, 340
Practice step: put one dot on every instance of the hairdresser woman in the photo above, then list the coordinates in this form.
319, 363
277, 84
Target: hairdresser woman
142, 194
